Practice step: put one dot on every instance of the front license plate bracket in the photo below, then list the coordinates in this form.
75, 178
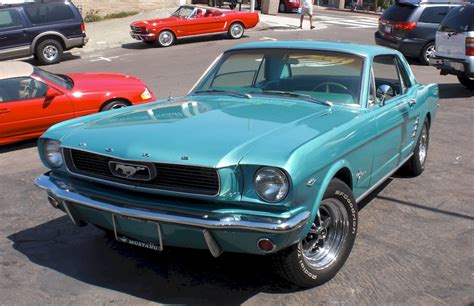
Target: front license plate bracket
124, 239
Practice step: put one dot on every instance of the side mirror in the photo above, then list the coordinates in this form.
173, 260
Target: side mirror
384, 91
52, 92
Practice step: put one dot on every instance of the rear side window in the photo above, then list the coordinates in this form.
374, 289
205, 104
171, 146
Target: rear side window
9, 18
460, 19
46, 13
434, 14
398, 12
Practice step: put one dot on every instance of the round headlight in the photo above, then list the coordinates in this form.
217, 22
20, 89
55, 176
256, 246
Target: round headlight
52, 153
271, 184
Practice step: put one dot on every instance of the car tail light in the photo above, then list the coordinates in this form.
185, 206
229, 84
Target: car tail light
83, 27
470, 46
404, 25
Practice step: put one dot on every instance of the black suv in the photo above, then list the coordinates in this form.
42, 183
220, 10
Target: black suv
410, 27
43, 29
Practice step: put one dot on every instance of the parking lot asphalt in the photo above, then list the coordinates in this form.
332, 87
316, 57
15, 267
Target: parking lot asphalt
415, 240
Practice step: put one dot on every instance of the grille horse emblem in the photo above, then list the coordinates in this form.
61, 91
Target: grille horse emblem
132, 171
128, 171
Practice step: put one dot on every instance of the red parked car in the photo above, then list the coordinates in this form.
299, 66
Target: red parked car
32, 99
190, 20
285, 6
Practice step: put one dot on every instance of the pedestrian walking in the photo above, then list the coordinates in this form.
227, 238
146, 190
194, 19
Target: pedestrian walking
306, 7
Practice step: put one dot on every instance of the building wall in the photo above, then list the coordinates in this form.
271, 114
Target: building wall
113, 6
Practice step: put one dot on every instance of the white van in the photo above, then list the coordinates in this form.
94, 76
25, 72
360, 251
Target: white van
455, 45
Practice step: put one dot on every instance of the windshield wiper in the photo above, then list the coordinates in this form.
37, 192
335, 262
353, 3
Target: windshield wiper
292, 94
227, 92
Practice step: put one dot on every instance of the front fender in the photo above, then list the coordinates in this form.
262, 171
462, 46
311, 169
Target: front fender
323, 185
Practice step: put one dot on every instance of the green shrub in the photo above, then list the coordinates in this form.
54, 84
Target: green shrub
93, 15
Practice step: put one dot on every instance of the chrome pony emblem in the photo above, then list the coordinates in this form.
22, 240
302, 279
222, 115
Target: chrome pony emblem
131, 171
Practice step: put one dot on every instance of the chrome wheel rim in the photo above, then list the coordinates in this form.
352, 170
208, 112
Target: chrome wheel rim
423, 147
50, 52
429, 52
117, 106
237, 31
324, 243
166, 38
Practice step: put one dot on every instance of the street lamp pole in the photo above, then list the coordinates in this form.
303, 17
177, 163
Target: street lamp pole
252, 5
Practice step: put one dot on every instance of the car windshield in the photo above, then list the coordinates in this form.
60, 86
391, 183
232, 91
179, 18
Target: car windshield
460, 19
323, 76
183, 11
62, 80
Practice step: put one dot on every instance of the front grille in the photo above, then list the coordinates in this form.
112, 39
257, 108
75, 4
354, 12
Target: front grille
140, 30
180, 178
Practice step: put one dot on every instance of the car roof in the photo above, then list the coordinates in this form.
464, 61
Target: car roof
365, 50
10, 70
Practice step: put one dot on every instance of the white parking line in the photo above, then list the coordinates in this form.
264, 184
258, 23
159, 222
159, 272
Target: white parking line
103, 58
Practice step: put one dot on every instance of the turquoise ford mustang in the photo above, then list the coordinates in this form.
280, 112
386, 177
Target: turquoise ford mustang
269, 153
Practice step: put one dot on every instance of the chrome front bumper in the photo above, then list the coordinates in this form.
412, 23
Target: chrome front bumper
64, 191
137, 36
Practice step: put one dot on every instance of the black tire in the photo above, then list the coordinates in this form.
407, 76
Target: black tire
426, 52
416, 164
49, 51
165, 39
282, 7
236, 30
466, 82
114, 104
293, 263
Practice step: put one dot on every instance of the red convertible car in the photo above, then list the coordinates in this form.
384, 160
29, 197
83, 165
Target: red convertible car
32, 99
190, 20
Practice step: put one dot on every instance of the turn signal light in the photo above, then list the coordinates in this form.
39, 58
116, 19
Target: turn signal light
404, 25
266, 245
470, 46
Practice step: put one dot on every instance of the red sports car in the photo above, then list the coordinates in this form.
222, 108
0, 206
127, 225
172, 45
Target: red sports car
32, 99
190, 20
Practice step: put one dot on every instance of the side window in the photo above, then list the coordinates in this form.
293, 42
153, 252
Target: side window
46, 13
434, 14
24, 88
387, 80
239, 70
9, 19
406, 83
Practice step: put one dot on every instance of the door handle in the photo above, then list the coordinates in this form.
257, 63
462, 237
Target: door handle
4, 111
411, 102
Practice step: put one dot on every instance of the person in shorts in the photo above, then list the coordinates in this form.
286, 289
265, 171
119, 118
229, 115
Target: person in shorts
306, 9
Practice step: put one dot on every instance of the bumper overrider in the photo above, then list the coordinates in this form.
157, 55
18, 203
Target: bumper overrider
139, 219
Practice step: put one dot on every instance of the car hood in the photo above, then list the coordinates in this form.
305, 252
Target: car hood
207, 131
102, 81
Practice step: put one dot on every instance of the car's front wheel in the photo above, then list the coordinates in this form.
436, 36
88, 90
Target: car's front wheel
114, 104
236, 30
321, 254
165, 38
466, 82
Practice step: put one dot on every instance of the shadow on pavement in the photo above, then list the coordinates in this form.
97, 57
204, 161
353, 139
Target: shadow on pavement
18, 146
136, 46
174, 276
66, 57
447, 91
181, 41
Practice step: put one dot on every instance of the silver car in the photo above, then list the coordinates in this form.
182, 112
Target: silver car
455, 45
